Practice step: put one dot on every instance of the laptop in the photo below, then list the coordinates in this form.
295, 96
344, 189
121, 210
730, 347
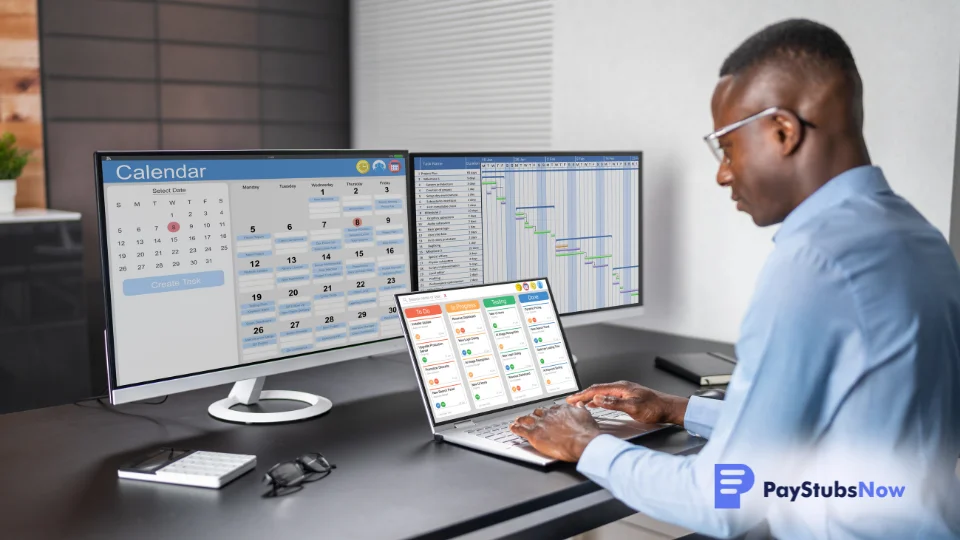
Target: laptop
487, 354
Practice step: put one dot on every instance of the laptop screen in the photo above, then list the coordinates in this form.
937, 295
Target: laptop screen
487, 348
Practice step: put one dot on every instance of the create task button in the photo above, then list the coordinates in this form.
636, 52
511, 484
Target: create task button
176, 282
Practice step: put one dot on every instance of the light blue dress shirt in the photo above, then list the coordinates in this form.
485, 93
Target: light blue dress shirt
849, 370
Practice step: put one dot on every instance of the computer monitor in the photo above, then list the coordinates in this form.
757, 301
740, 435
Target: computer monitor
233, 265
574, 217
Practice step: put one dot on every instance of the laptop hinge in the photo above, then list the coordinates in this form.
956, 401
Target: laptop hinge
468, 423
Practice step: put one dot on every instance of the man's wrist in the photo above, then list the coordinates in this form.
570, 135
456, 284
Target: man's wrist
676, 410
582, 441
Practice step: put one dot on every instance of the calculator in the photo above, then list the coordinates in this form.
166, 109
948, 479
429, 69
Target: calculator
189, 467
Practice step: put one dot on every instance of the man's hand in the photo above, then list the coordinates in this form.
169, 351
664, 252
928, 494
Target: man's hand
561, 432
641, 403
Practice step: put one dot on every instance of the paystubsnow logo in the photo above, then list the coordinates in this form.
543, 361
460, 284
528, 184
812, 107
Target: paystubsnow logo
733, 480
729, 482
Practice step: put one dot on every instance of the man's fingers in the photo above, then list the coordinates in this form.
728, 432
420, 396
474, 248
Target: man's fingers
604, 389
523, 425
526, 421
539, 412
610, 402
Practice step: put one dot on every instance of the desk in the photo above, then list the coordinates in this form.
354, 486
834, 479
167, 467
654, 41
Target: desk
59, 464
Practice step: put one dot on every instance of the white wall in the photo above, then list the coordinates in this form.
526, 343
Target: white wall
640, 73
451, 75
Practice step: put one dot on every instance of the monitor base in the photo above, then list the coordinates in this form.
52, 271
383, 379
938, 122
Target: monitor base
251, 391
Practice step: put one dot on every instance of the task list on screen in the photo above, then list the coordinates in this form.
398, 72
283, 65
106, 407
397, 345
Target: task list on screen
484, 348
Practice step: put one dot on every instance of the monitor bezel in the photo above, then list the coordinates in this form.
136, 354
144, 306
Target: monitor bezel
202, 379
461, 419
575, 317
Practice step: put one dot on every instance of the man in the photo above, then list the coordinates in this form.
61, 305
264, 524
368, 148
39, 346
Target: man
849, 355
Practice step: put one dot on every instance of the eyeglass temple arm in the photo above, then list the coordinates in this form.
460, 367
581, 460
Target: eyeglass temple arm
740, 123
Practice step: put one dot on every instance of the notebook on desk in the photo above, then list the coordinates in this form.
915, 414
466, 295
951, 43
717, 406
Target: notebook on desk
487, 354
705, 369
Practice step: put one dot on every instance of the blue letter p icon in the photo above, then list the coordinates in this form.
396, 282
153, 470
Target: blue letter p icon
729, 482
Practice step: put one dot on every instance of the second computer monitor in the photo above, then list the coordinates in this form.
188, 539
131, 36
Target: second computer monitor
574, 217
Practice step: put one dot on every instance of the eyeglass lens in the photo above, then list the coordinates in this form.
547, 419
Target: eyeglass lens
716, 149
315, 463
286, 474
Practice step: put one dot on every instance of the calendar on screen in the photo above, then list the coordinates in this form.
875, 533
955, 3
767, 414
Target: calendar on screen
216, 261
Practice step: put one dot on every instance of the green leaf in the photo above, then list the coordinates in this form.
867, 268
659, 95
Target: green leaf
12, 159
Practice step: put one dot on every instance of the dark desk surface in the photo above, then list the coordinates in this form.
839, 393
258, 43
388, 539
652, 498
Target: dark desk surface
58, 465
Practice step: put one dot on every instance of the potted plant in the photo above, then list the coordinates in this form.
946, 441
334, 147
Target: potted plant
12, 162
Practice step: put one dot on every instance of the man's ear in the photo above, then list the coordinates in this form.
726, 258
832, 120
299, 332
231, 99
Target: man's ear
789, 131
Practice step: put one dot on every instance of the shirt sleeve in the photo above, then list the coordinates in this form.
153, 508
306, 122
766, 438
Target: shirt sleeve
702, 414
786, 343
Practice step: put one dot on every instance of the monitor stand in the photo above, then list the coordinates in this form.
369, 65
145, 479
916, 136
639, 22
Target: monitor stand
251, 391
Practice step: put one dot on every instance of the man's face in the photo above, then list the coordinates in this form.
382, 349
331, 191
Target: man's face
754, 167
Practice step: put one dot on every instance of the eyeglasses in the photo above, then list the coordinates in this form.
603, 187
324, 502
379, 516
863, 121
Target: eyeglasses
289, 476
713, 139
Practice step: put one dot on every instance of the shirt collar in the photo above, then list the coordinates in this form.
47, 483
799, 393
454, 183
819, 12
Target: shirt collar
857, 181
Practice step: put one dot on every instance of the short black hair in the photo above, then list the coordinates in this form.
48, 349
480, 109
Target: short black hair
800, 42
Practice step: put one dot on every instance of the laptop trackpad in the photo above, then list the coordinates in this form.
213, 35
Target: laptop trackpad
626, 428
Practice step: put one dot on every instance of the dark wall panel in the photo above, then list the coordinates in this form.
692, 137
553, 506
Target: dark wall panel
335, 10
295, 33
228, 3
302, 105
291, 136
210, 64
101, 18
195, 102
102, 100
183, 74
86, 57
207, 137
286, 68
207, 25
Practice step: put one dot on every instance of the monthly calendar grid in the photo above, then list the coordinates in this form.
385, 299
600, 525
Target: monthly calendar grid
329, 264
315, 262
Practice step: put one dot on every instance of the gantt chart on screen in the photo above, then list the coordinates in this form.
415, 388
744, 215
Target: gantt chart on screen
573, 219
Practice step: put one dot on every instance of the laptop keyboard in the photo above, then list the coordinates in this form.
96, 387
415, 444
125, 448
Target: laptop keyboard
500, 432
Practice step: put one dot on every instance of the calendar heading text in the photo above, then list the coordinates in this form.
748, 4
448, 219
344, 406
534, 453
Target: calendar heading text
126, 172
137, 170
